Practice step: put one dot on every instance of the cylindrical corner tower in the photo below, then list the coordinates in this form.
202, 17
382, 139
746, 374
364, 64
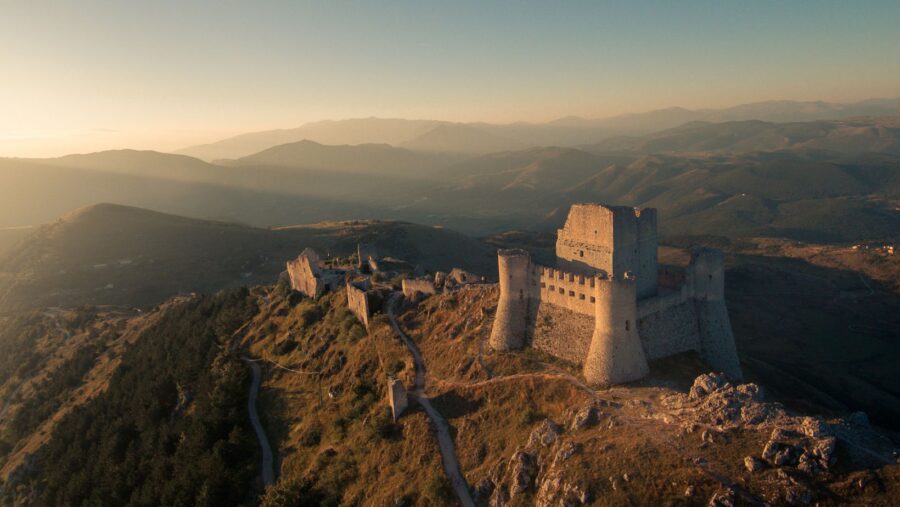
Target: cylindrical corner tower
616, 354
511, 318
707, 280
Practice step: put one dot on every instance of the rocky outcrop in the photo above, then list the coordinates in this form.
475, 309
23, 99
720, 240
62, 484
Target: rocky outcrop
714, 401
538, 468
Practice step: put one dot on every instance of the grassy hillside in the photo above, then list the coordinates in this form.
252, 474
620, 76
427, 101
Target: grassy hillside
333, 433
169, 426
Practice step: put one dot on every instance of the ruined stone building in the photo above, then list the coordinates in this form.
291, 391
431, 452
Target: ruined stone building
367, 257
607, 305
307, 275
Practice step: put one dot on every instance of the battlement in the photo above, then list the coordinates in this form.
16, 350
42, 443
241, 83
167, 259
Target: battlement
574, 291
602, 299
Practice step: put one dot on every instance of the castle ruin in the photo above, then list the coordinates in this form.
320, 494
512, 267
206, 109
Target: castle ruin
607, 305
307, 276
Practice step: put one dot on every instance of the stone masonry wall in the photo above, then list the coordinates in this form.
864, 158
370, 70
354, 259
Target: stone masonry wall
560, 332
302, 274
670, 330
358, 303
417, 285
564, 289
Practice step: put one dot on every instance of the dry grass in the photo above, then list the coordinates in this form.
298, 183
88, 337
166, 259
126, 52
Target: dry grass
636, 436
328, 419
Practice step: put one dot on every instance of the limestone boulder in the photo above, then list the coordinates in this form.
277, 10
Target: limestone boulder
706, 384
522, 471
585, 418
544, 434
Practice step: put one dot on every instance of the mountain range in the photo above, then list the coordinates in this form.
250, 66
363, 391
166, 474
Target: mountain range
824, 180
852, 136
480, 137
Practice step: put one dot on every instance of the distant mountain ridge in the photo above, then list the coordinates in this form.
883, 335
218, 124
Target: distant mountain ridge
568, 131
850, 136
360, 158
804, 195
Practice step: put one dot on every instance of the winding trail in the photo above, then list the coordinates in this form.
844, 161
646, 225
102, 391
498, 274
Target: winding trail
445, 440
268, 472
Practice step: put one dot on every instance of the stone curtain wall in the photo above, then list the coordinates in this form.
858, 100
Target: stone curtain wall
564, 289
560, 332
669, 330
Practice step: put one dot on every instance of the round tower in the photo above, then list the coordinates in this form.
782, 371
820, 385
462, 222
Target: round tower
511, 318
707, 284
616, 354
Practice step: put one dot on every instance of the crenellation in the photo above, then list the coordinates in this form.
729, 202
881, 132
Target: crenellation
607, 274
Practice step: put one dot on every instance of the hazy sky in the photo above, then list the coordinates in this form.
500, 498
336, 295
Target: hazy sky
82, 75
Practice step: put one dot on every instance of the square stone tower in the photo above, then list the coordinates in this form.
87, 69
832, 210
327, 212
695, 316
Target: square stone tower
610, 240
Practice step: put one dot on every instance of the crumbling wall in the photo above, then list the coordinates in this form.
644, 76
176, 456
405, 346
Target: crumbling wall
364, 252
412, 288
304, 274
463, 277
396, 397
358, 303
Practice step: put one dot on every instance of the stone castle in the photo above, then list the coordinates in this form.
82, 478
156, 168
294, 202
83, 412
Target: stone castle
607, 304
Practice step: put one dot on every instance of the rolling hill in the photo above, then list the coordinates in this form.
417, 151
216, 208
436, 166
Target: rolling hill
111, 254
789, 194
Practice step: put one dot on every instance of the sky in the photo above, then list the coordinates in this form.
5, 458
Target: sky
85, 75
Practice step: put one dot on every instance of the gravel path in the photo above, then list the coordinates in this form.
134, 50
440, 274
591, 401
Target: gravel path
268, 473
445, 441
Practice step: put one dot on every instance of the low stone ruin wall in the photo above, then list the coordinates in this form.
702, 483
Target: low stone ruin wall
412, 287
358, 303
